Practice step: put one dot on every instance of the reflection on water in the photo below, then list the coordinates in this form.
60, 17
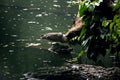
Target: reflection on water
21, 24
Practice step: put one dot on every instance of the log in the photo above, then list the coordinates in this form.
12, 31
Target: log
75, 72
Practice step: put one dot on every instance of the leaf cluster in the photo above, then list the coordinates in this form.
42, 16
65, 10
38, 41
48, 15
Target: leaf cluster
101, 32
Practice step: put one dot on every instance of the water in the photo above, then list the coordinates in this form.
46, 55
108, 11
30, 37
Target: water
21, 24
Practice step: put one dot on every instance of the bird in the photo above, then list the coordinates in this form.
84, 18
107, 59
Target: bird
76, 27
64, 38
54, 37
72, 32
57, 48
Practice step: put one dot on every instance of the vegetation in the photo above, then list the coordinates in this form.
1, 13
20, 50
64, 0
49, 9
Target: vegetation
101, 32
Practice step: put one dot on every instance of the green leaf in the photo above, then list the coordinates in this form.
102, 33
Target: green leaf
91, 7
111, 26
82, 33
116, 17
80, 54
118, 20
105, 23
83, 8
118, 32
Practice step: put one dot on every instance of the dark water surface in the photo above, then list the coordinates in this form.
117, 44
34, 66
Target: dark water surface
21, 24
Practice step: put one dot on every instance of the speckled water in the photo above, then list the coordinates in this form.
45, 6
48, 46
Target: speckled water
21, 24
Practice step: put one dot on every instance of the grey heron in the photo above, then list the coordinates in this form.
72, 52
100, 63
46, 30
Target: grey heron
72, 32
54, 37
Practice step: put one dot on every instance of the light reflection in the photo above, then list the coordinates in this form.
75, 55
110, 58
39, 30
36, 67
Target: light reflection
31, 12
5, 45
31, 4
68, 14
55, 5
37, 23
3, 28
11, 51
14, 35
5, 67
25, 9
46, 14
14, 25
38, 15
18, 15
6, 11
13, 1
21, 40
32, 44
14, 19
55, 1
2, 17
48, 28
31, 22
55, 26
9, 20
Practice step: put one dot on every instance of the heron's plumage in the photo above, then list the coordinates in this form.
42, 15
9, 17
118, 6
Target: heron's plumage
72, 32
55, 37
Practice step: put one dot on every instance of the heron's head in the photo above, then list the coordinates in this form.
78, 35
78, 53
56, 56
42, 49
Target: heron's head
43, 36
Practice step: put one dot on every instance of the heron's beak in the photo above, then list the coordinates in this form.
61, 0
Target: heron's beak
42, 36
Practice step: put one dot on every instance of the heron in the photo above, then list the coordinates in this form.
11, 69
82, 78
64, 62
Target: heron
72, 32
55, 37
64, 38
76, 28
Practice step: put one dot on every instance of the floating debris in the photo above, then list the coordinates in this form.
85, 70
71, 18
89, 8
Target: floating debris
14, 35
6, 11
31, 22
55, 5
25, 9
32, 44
11, 51
18, 15
5, 45
6, 67
46, 14
55, 1
38, 39
37, 23
39, 58
31, 4
38, 15
5, 58
48, 28
69, 2
42, 29
22, 40
68, 14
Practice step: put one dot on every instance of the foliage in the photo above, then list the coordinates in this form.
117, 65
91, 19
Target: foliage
101, 32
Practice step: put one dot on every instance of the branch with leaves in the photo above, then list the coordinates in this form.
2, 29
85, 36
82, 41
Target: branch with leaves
100, 33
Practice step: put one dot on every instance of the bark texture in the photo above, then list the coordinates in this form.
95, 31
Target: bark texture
75, 72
